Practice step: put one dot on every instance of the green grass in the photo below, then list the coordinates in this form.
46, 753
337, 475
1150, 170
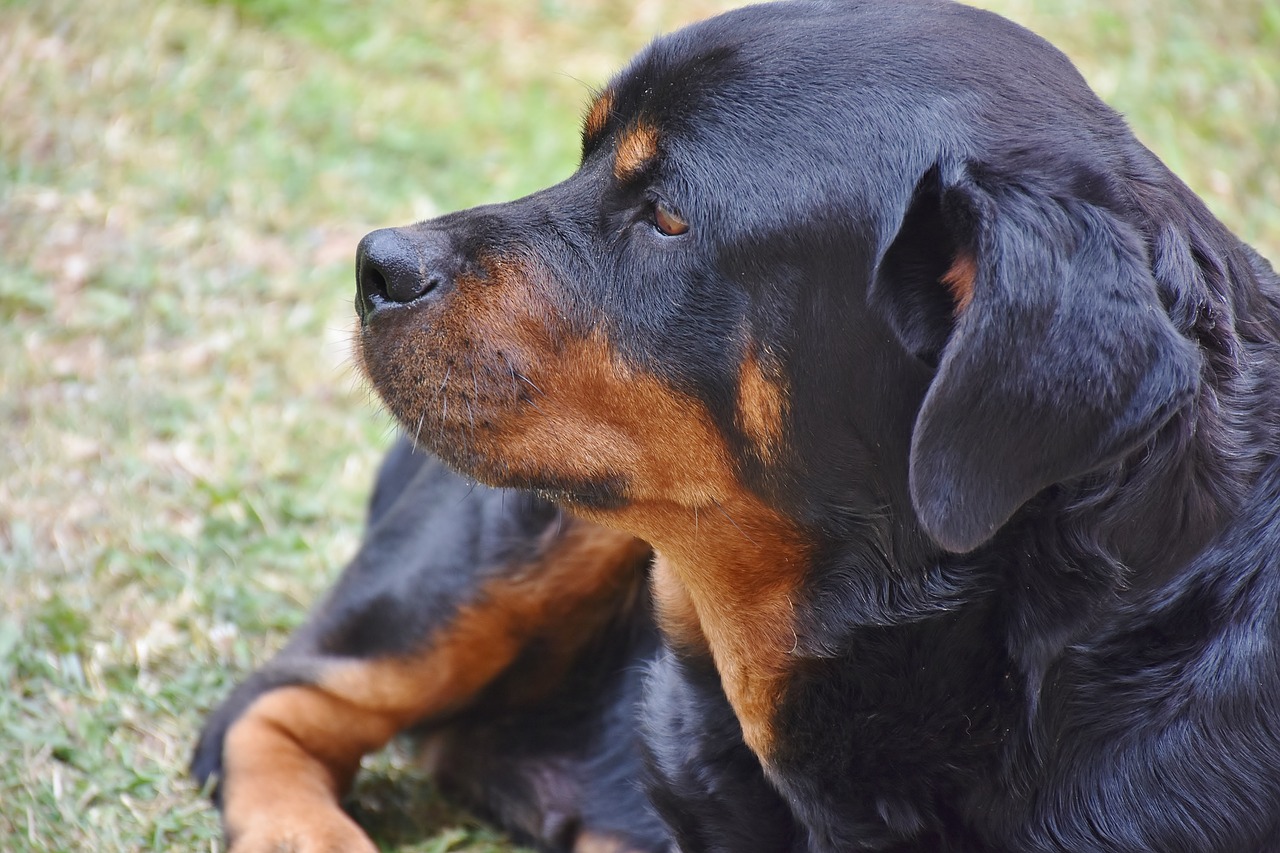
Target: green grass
185, 448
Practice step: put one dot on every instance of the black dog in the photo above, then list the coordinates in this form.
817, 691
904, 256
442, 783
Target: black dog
951, 417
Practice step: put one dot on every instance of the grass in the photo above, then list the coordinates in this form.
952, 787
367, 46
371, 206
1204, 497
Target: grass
185, 449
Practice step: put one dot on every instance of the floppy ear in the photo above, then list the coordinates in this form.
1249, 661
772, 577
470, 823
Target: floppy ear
1053, 354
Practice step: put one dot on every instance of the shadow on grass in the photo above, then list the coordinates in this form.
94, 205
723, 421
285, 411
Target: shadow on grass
402, 809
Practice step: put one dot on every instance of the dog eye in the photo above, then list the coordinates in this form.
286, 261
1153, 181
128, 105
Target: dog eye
667, 221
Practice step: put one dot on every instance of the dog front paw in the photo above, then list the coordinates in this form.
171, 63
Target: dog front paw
322, 831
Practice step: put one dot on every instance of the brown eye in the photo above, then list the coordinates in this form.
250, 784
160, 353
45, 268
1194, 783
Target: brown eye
667, 221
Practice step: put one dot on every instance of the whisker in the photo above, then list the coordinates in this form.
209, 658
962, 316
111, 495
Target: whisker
470, 437
444, 409
717, 505
511, 371
526, 380
417, 433
515, 389
443, 382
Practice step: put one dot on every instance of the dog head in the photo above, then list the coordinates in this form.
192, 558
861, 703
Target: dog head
847, 262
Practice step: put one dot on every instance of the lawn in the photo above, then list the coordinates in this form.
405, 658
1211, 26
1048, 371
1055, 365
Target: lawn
186, 449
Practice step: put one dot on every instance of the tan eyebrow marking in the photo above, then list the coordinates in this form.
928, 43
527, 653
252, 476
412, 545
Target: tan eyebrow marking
597, 116
637, 147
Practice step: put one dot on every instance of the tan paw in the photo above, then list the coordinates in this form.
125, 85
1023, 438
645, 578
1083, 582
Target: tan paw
322, 831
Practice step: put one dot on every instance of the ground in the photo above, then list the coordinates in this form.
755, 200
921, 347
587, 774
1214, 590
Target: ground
184, 447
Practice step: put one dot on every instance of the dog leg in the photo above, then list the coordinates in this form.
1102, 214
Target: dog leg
451, 586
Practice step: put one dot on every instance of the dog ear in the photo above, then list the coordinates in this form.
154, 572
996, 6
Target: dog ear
1053, 354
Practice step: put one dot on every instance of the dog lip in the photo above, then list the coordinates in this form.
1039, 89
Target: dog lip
366, 305
371, 306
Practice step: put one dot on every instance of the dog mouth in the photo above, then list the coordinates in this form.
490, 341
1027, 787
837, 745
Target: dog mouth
526, 404
451, 393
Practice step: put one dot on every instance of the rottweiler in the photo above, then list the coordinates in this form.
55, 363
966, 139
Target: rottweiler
878, 450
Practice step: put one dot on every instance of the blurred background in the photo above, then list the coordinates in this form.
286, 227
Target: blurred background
185, 449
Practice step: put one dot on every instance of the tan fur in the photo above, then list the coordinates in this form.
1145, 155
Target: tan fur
677, 617
739, 566
594, 842
762, 406
959, 280
285, 767
598, 116
637, 147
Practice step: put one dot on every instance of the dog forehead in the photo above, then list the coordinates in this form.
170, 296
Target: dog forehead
792, 110
830, 67
771, 98
749, 56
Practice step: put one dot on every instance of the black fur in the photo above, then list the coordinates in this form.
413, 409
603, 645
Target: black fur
1042, 605
703, 780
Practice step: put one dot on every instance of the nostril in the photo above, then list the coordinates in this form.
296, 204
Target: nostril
371, 281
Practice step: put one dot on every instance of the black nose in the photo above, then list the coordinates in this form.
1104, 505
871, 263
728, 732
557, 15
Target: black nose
397, 265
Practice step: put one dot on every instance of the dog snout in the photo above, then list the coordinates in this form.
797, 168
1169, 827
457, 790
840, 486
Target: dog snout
397, 267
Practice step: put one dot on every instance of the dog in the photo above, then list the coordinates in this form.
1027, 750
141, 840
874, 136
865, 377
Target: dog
878, 451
